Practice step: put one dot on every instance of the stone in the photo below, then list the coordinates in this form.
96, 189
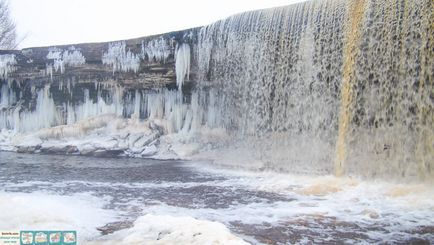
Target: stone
65, 149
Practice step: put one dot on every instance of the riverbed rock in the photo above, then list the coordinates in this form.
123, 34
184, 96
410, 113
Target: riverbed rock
60, 149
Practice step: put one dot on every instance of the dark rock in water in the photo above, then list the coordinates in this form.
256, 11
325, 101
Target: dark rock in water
28, 149
104, 153
69, 149
115, 226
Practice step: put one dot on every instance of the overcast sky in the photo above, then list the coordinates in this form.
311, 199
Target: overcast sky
52, 22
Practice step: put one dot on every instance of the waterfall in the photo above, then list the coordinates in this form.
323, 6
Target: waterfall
332, 81
340, 87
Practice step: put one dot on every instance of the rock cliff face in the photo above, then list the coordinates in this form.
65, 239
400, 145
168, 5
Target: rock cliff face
96, 92
74, 73
136, 63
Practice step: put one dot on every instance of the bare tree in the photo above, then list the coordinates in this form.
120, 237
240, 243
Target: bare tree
8, 34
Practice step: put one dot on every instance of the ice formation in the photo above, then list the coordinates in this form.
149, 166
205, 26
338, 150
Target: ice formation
89, 108
120, 59
182, 65
7, 64
73, 57
20, 120
156, 49
7, 96
98, 124
44, 116
61, 59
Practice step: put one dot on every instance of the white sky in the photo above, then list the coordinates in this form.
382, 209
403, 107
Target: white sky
54, 22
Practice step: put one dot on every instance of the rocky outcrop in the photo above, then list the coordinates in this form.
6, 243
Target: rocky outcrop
146, 62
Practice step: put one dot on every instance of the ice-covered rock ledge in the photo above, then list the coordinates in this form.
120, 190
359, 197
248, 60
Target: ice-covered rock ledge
109, 135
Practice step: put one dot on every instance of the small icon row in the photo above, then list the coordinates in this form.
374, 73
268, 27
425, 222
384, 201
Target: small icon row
48, 237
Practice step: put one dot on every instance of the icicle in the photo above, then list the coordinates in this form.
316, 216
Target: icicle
7, 96
120, 59
61, 59
73, 57
7, 64
137, 101
182, 65
157, 49
44, 116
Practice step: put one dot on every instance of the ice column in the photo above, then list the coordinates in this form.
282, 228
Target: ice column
7, 62
182, 65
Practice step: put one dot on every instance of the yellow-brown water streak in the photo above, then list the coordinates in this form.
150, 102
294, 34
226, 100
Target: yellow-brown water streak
425, 145
353, 32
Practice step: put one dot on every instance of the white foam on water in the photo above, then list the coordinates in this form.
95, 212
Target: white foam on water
398, 208
165, 229
302, 202
41, 211
84, 213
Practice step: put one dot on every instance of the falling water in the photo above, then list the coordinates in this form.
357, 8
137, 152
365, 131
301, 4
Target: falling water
352, 38
349, 82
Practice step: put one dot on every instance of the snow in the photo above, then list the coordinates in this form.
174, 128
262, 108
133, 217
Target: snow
120, 59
